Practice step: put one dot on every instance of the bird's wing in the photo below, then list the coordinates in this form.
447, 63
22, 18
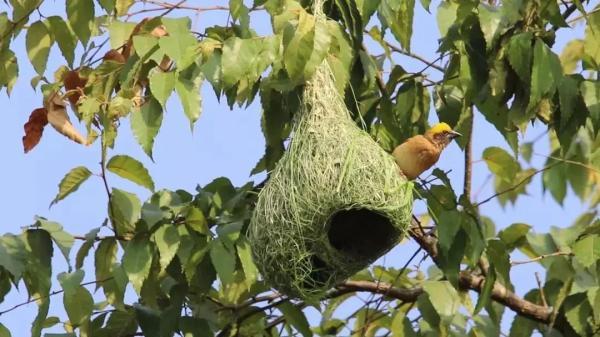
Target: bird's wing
415, 155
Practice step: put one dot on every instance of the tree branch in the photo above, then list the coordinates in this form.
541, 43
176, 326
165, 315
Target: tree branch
403, 294
468, 160
500, 293
539, 258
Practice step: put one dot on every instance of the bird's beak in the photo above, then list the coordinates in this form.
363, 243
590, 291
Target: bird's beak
454, 134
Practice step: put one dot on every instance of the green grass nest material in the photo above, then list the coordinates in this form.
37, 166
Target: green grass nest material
334, 204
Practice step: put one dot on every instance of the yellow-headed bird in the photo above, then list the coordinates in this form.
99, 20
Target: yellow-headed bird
419, 153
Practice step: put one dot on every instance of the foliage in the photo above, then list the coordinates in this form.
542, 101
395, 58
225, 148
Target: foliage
186, 255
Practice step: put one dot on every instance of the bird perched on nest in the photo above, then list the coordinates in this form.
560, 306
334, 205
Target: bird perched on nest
419, 153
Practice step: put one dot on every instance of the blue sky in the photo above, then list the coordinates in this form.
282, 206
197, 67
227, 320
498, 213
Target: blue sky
223, 143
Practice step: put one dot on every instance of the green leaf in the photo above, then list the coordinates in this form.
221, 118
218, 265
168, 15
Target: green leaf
167, 241
555, 180
514, 235
299, 49
122, 6
197, 221
119, 33
4, 332
223, 260
137, 260
108, 5
401, 326
149, 320
145, 124
591, 41
63, 240
179, 47
189, 94
162, 85
130, 169
498, 255
124, 210
501, 163
520, 55
71, 182
296, 318
147, 46
446, 16
245, 255
398, 16
488, 286
571, 55
443, 296
577, 311
522, 327
449, 224
77, 300
81, 17
491, 21
104, 258
590, 91
64, 37
546, 73
9, 70
38, 42
587, 250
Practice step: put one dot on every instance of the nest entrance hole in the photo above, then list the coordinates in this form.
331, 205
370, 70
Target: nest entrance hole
361, 233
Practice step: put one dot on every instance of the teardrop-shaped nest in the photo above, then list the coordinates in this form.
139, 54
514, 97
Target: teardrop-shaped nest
334, 204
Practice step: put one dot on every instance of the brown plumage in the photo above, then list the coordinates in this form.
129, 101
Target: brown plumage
419, 153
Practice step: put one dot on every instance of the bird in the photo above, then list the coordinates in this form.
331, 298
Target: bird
418, 153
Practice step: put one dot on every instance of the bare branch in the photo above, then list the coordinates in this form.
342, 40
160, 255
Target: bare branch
539, 258
403, 294
31, 300
514, 187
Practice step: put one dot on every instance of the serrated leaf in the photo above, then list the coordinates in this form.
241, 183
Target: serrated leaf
167, 241
398, 16
145, 124
245, 255
197, 221
77, 300
514, 235
577, 311
299, 49
124, 210
546, 73
137, 260
128, 168
587, 250
571, 55
64, 37
443, 296
179, 47
119, 33
81, 17
296, 318
38, 42
189, 94
122, 6
104, 258
63, 240
590, 90
488, 286
71, 182
520, 55
223, 261
501, 163
592, 37
162, 85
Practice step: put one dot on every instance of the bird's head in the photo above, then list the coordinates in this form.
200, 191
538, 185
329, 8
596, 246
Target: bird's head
441, 134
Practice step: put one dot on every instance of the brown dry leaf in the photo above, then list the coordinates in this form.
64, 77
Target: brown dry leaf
58, 118
74, 84
34, 128
113, 55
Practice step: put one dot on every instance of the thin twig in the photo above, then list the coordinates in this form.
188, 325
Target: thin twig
415, 56
591, 168
539, 258
468, 160
541, 288
514, 187
31, 300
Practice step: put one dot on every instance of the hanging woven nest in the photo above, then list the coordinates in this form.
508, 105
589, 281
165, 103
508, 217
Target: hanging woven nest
334, 204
